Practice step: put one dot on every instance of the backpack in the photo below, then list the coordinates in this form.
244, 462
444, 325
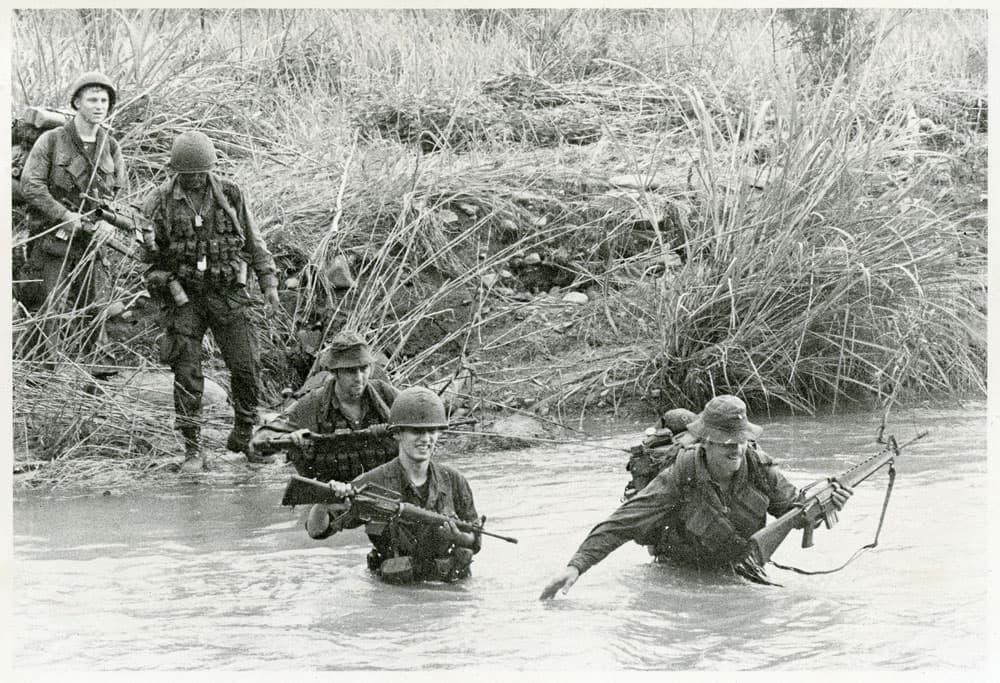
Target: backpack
24, 133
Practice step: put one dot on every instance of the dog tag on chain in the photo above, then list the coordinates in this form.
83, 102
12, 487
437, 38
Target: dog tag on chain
202, 264
197, 221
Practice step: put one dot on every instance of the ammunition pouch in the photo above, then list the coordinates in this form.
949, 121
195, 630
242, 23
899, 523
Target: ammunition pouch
397, 570
406, 569
343, 458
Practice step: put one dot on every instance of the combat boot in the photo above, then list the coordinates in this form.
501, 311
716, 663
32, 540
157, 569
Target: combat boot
194, 461
239, 437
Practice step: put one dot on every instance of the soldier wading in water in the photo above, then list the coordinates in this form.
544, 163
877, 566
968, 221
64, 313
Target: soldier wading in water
413, 550
701, 510
205, 241
349, 399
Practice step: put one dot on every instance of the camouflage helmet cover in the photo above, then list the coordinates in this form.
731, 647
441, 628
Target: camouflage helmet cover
192, 152
417, 407
677, 419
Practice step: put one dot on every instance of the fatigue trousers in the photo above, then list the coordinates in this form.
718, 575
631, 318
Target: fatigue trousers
226, 313
56, 270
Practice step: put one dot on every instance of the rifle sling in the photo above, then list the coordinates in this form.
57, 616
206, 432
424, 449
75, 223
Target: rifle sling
859, 551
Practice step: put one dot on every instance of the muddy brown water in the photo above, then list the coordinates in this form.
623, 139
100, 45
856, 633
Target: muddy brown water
217, 575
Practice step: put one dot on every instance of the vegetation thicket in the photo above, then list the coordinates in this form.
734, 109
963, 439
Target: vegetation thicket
787, 205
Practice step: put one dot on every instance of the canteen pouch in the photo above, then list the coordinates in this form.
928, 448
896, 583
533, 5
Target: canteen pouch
442, 568
397, 570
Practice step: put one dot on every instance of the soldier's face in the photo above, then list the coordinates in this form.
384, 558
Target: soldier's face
92, 105
352, 381
416, 443
725, 457
192, 181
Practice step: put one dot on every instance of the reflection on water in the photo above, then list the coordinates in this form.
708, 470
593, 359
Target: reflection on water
218, 575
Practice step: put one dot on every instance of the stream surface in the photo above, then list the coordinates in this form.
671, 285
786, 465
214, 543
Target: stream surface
215, 574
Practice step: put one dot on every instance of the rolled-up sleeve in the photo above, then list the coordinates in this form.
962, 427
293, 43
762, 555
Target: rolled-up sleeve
640, 518
465, 506
783, 495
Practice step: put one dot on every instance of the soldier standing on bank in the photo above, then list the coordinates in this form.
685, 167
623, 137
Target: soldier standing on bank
206, 241
64, 166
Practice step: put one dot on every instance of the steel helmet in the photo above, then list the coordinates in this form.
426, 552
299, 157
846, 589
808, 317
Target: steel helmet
93, 78
417, 407
677, 419
192, 152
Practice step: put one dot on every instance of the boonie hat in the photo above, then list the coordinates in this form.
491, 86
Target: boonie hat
346, 350
724, 420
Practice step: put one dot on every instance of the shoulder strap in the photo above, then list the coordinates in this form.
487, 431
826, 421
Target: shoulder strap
220, 197
381, 406
756, 464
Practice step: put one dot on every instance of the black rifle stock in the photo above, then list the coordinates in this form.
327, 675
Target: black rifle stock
373, 503
284, 442
817, 507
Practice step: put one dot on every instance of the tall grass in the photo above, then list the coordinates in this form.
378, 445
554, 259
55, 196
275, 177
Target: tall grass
831, 249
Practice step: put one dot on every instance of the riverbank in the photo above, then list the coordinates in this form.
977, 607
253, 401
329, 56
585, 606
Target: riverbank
559, 214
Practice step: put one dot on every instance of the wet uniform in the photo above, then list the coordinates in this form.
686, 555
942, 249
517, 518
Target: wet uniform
685, 516
447, 492
319, 412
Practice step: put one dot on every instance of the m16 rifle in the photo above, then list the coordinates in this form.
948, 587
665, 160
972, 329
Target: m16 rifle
374, 503
110, 225
817, 507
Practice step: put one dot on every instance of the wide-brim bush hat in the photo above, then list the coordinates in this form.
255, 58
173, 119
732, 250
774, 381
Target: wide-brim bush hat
724, 420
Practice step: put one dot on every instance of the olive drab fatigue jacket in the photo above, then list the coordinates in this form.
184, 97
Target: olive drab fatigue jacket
348, 456
227, 231
448, 493
59, 171
686, 517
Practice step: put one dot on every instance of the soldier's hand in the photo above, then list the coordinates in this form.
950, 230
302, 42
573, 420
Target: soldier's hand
460, 538
302, 439
72, 221
318, 522
564, 580
840, 495
341, 489
271, 296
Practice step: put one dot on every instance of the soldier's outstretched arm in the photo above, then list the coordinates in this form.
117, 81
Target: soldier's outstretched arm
638, 519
